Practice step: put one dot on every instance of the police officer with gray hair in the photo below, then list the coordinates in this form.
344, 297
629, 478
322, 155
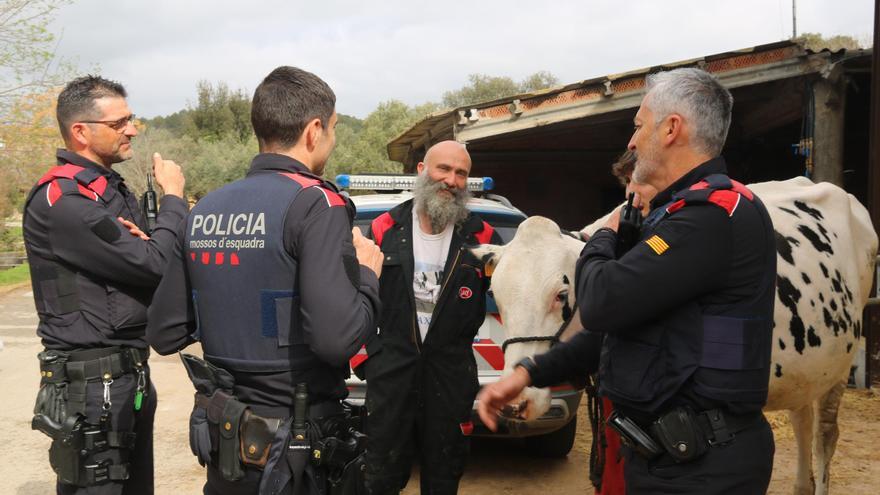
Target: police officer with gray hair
279, 289
687, 365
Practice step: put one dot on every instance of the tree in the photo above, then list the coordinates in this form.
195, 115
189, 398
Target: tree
27, 50
538, 80
365, 151
28, 139
483, 88
817, 42
220, 112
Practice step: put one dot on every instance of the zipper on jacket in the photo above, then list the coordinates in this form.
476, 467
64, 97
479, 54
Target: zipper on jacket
416, 337
440, 299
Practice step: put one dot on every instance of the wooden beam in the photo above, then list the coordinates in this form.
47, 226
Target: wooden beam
872, 315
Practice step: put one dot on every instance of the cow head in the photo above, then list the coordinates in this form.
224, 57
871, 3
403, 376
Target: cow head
533, 285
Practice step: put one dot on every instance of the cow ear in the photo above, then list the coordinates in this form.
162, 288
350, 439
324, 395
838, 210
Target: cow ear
489, 254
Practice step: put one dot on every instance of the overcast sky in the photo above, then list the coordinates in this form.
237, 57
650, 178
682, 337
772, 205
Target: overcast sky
413, 51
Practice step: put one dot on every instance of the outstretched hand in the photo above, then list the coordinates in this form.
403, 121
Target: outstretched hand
493, 397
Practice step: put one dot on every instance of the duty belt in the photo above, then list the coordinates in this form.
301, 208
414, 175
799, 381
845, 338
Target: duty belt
77, 368
681, 432
241, 430
91, 364
721, 426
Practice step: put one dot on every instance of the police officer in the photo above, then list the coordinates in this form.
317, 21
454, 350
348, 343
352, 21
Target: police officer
421, 371
686, 314
92, 281
278, 288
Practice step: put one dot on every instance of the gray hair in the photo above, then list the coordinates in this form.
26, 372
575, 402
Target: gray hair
697, 96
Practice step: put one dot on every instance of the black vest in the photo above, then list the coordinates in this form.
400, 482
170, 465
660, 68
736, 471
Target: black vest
244, 282
723, 356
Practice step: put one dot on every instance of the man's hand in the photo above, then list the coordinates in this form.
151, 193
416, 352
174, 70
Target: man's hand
613, 221
368, 253
168, 176
133, 229
493, 397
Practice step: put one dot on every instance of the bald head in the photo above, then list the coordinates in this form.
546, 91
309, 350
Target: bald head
448, 151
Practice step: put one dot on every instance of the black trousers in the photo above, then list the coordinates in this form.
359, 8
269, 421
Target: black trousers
250, 484
741, 467
123, 418
401, 428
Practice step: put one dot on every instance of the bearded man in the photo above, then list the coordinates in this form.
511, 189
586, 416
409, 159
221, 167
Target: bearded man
421, 372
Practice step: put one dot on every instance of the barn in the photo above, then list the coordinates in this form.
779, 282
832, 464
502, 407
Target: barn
796, 112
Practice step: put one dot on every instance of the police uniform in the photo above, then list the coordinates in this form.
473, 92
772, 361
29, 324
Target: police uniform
423, 391
267, 279
687, 320
92, 282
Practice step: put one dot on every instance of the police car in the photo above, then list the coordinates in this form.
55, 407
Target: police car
551, 435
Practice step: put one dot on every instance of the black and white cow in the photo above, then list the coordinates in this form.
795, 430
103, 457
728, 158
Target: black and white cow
826, 246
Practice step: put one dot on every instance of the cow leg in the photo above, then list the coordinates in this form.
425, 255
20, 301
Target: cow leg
827, 432
802, 422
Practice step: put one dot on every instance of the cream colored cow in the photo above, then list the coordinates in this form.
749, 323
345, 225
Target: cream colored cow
826, 248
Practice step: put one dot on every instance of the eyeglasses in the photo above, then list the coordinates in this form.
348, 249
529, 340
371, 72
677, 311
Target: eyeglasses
117, 125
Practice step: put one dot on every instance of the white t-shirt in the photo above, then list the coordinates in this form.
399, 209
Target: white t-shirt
429, 253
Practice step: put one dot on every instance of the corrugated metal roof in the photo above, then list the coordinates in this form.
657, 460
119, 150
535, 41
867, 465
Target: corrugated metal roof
602, 95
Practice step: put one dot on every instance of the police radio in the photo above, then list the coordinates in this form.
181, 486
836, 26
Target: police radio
630, 229
149, 204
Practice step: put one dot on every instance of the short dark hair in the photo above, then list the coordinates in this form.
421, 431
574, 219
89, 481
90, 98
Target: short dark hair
286, 100
77, 100
624, 166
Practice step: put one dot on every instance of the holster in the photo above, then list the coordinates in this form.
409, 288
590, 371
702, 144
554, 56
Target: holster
74, 444
350, 480
257, 434
224, 412
680, 435
228, 459
60, 412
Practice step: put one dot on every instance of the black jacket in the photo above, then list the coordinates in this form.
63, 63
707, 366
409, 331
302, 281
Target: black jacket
92, 279
445, 360
337, 315
650, 301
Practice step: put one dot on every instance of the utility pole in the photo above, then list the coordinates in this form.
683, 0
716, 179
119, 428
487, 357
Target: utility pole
793, 19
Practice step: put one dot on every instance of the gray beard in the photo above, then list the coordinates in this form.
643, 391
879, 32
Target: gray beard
441, 210
643, 171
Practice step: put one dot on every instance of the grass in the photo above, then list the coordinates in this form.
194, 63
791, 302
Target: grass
20, 273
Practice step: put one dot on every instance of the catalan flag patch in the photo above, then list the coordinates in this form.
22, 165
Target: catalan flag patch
657, 244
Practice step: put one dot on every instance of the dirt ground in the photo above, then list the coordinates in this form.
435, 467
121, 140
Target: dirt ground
496, 467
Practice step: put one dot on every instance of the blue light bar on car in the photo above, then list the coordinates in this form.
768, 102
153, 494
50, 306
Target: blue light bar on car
393, 182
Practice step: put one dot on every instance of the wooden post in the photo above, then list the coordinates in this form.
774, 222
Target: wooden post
872, 314
829, 95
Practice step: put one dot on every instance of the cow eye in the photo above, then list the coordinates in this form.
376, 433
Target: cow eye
562, 296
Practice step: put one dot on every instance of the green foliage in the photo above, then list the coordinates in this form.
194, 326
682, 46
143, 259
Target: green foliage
11, 238
219, 113
817, 42
207, 164
177, 123
15, 275
363, 150
214, 143
482, 88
